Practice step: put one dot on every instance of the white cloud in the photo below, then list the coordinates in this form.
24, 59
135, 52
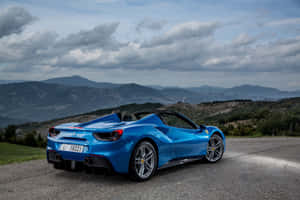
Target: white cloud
185, 31
26, 47
98, 37
243, 39
150, 24
282, 22
13, 20
189, 46
106, 1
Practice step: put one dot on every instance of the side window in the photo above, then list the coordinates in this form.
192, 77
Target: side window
175, 121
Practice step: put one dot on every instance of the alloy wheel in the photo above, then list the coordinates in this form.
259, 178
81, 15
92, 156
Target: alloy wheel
144, 160
215, 148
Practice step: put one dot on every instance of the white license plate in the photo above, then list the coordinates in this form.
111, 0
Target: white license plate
71, 147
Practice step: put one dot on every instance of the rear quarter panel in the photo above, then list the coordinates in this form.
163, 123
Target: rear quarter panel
140, 132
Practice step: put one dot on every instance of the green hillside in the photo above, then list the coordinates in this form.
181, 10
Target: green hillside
247, 118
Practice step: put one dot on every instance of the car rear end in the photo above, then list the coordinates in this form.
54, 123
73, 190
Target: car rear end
77, 147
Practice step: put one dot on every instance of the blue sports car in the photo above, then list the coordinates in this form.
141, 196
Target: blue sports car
137, 144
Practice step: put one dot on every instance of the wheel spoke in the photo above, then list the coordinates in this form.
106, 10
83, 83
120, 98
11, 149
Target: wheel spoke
211, 155
218, 144
148, 166
149, 156
143, 151
141, 170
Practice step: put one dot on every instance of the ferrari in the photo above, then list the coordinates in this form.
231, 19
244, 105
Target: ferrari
136, 144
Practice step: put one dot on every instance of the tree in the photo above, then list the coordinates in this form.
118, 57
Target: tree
30, 139
10, 134
40, 141
1, 135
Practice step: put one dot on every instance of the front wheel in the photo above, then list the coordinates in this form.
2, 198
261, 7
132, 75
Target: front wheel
143, 164
215, 149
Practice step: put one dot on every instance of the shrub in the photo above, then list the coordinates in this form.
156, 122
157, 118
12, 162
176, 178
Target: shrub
1, 136
261, 114
10, 134
30, 139
280, 124
41, 142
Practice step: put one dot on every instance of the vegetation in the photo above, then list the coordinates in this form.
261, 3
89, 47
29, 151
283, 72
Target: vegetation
10, 153
248, 118
32, 139
10, 134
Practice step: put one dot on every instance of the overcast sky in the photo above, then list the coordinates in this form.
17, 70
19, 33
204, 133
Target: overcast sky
153, 42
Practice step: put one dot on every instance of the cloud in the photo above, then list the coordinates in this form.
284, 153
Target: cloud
105, 1
27, 50
189, 46
150, 24
139, 2
13, 20
98, 37
283, 22
282, 55
243, 39
134, 56
189, 30
26, 46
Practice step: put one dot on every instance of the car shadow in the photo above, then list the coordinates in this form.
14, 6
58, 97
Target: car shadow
96, 176
101, 176
177, 168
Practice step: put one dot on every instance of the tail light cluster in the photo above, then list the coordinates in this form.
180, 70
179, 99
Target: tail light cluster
108, 136
53, 132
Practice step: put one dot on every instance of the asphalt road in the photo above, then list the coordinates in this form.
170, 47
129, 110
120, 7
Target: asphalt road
260, 168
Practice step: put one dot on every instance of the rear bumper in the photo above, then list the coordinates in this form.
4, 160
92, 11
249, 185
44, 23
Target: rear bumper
89, 161
116, 154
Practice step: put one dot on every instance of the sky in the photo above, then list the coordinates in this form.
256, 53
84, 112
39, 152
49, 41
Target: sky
183, 43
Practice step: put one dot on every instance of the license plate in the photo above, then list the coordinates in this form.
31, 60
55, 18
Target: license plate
71, 148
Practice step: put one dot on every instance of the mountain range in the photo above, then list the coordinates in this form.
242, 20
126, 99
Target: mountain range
235, 117
24, 101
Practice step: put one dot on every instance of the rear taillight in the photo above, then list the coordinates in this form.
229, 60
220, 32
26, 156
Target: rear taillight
53, 132
108, 136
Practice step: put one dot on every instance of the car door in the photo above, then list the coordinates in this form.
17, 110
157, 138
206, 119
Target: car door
188, 140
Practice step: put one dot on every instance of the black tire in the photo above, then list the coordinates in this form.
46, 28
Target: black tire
133, 174
217, 137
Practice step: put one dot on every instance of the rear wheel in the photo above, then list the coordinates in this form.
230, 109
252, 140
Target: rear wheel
143, 163
215, 149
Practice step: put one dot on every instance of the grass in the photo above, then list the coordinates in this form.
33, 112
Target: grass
10, 153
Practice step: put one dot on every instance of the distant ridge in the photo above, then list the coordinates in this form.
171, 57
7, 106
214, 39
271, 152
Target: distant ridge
234, 113
63, 96
80, 81
39, 101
